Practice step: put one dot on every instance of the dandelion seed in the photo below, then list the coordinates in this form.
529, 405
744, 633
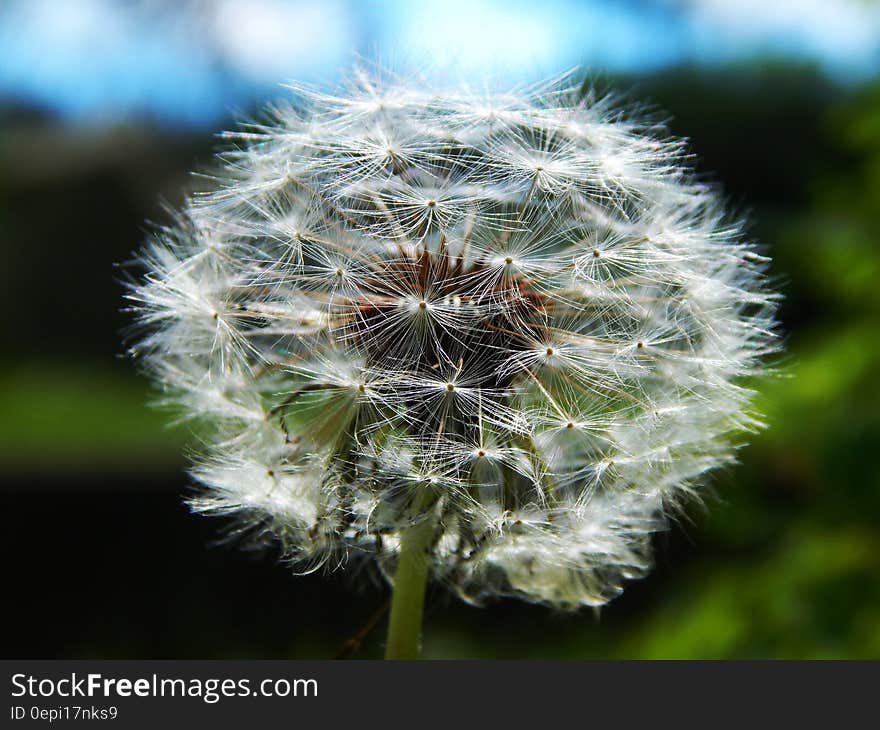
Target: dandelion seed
514, 325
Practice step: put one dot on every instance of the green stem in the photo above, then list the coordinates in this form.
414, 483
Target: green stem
408, 597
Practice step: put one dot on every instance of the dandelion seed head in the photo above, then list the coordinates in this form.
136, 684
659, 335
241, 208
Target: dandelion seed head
520, 312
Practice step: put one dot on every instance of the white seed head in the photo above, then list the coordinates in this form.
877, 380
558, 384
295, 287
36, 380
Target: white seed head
519, 312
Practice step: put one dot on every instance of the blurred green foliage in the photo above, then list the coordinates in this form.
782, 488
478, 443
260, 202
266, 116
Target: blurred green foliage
89, 416
784, 559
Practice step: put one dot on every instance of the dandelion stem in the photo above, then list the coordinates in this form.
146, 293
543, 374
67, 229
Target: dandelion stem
408, 598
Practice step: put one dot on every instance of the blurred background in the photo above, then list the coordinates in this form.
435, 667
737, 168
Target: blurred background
106, 105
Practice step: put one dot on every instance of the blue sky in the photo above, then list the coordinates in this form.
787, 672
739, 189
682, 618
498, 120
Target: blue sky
191, 62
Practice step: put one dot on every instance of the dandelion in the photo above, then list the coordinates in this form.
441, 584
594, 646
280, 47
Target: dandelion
489, 340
